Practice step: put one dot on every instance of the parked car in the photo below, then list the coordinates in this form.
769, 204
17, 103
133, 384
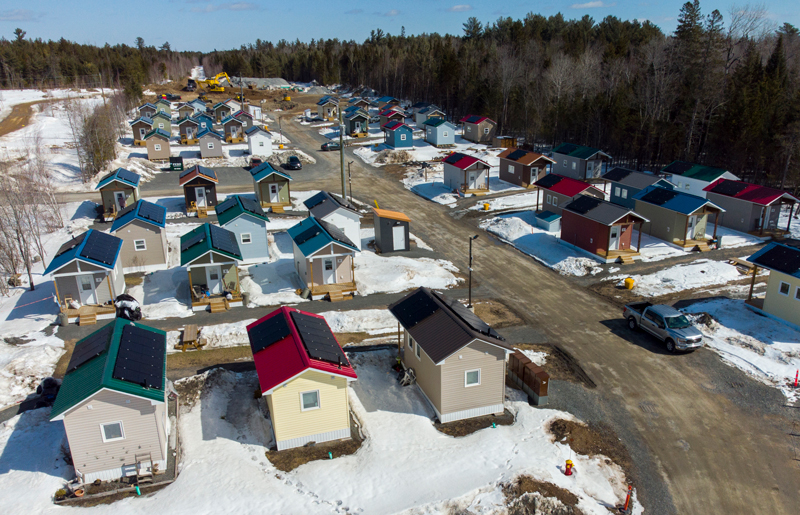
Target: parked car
294, 163
331, 145
255, 161
665, 323
375, 119
171, 97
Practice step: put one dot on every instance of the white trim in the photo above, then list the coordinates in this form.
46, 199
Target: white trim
302, 404
329, 255
235, 261
103, 187
143, 242
466, 383
788, 288
104, 389
103, 431
328, 436
109, 269
472, 412
470, 343
249, 238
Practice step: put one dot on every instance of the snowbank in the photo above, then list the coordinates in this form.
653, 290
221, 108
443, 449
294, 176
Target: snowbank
24, 365
274, 283
380, 274
699, 273
526, 200
164, 294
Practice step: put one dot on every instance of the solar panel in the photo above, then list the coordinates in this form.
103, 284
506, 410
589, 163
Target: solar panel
730, 188
583, 204
194, 240
678, 167
617, 174
252, 206
224, 240
473, 118
101, 247
128, 209
468, 317
90, 347
127, 175
307, 235
226, 205
566, 148
453, 158
659, 196
336, 233
517, 154
71, 244
152, 212
141, 356
318, 339
415, 309
187, 172
548, 181
781, 259
269, 331
316, 200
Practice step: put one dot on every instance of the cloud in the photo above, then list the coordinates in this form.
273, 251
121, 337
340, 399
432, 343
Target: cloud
391, 13
461, 8
592, 5
354, 11
19, 15
230, 6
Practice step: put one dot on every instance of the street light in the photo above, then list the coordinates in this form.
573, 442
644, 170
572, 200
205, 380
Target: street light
469, 305
350, 181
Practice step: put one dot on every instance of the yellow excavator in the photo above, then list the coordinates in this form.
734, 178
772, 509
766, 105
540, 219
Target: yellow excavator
213, 84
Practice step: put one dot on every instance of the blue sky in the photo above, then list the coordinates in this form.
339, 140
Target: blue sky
208, 24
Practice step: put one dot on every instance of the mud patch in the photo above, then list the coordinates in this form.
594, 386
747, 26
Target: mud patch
497, 314
471, 425
290, 459
527, 495
592, 440
560, 363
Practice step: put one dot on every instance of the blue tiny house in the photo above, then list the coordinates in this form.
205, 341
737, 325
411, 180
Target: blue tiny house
439, 132
244, 217
398, 135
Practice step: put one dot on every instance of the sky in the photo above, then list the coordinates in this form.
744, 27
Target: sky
206, 25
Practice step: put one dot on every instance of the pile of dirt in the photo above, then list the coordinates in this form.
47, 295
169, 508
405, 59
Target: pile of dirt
497, 314
390, 156
529, 496
280, 158
592, 440
318, 90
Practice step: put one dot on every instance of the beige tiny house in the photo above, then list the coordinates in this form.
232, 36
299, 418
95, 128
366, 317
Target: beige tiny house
157, 142
479, 129
324, 263
141, 227
782, 298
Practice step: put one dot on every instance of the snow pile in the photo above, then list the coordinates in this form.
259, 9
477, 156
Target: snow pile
216, 336
539, 358
794, 227
519, 230
763, 347
699, 273
24, 365
728, 238
526, 200
654, 249
430, 185
164, 294
280, 157
276, 282
298, 197
379, 274
370, 321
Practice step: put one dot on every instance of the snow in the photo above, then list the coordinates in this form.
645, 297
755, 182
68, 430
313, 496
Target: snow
12, 97
164, 294
697, 274
370, 321
527, 200
276, 282
794, 227
298, 197
382, 274
23, 366
539, 358
430, 185
728, 238
765, 348
519, 230
654, 249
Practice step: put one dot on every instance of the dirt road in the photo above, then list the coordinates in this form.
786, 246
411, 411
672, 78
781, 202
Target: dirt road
19, 116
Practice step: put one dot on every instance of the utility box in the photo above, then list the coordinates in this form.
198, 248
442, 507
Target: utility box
529, 376
176, 164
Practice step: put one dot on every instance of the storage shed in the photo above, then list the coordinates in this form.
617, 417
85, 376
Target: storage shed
259, 141
392, 230
548, 221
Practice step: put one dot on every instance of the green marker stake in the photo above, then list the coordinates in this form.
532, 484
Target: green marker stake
330, 455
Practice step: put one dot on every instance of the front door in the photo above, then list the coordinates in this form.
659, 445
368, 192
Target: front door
200, 197
613, 241
399, 237
471, 180
119, 200
142, 133
328, 271
534, 175
274, 197
589, 170
214, 279
357, 127
690, 227
189, 132
86, 287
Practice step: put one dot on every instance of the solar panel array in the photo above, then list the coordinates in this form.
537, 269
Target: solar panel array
101, 247
127, 209
127, 175
473, 118
224, 240
271, 330
318, 339
583, 204
567, 148
194, 240
453, 158
617, 174
336, 233
548, 181
659, 196
251, 206
678, 167
316, 200
730, 188
415, 309
468, 317
781, 259
140, 358
94, 345
187, 172
517, 154
226, 205
71, 244
307, 235
152, 212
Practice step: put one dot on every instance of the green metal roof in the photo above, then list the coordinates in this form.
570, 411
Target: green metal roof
96, 374
579, 151
694, 171
238, 209
203, 246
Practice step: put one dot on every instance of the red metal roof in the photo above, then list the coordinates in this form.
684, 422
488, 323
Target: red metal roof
393, 125
475, 119
390, 111
288, 358
570, 187
754, 193
464, 161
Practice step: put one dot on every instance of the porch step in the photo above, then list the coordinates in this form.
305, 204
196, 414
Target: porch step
218, 305
278, 209
337, 296
626, 260
88, 319
202, 212
703, 247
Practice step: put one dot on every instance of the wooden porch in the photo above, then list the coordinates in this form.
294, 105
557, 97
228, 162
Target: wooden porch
231, 139
482, 190
189, 141
701, 244
775, 234
335, 292
216, 302
140, 142
624, 256
89, 314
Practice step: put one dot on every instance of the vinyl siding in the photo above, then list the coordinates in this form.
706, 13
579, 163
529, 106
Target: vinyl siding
782, 306
136, 133
629, 201
580, 167
152, 153
67, 287
283, 190
154, 242
349, 223
664, 224
475, 132
300, 264
256, 150
429, 376
206, 152
102, 290
458, 397
288, 419
143, 431
117, 279
739, 214
344, 271
257, 250
107, 194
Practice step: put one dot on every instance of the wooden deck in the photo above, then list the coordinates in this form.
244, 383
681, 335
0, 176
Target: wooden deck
775, 234
216, 302
88, 315
690, 244
625, 256
335, 292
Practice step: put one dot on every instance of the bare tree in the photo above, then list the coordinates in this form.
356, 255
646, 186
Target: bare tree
747, 22
560, 80
507, 68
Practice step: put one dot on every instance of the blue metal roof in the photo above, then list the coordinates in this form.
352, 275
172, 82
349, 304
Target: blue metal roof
229, 118
141, 210
95, 247
310, 236
197, 116
256, 128
188, 119
264, 170
680, 202
778, 257
144, 119
210, 132
386, 99
121, 175
147, 104
218, 104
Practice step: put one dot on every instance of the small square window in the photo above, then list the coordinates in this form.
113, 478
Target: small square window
417, 352
444, 134
111, 432
210, 144
410, 342
549, 199
617, 191
624, 193
309, 400
565, 163
260, 143
469, 129
783, 289
486, 130
510, 168
139, 245
246, 238
402, 137
157, 146
687, 186
472, 377
160, 125
574, 165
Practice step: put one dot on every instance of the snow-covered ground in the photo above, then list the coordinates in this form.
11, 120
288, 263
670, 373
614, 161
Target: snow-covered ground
423, 151
697, 274
276, 282
430, 185
527, 200
23, 365
224, 434
520, 230
763, 347
794, 227
392, 274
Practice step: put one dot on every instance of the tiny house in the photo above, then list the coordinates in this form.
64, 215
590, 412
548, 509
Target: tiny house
117, 190
221, 110
164, 106
188, 128
427, 113
693, 178
578, 161
199, 189
751, 208
272, 187
157, 142
327, 108
232, 129
140, 127
211, 256
205, 121
554, 190
162, 121
398, 135
246, 118
392, 230
245, 219
356, 123
479, 129
627, 183
259, 141
523, 167
465, 173
185, 111
142, 229
392, 114
332, 209
147, 110
210, 143
439, 132
782, 298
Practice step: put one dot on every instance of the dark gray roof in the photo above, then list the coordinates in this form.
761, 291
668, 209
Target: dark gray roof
324, 203
632, 178
442, 326
598, 210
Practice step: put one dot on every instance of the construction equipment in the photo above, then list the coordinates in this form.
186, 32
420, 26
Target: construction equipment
213, 84
191, 85
287, 98
202, 96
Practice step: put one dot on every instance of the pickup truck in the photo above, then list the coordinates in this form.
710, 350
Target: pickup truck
665, 323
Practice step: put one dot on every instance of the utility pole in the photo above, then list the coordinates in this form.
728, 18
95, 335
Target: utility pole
341, 152
469, 304
350, 180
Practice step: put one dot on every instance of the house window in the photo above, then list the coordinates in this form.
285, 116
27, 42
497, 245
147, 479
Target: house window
624, 193
469, 129
687, 186
783, 289
417, 352
139, 245
444, 134
617, 192
309, 400
112, 432
157, 146
160, 125
486, 130
511, 169
574, 165
549, 199
797, 293
565, 163
246, 238
260, 143
402, 137
472, 377
210, 144
203, 125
